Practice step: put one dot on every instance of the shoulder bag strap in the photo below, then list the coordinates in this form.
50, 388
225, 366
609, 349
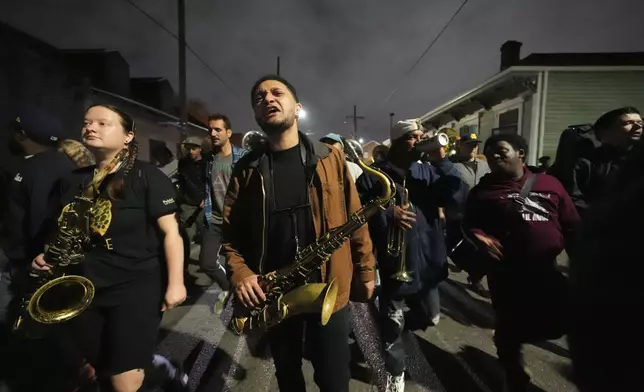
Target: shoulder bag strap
527, 187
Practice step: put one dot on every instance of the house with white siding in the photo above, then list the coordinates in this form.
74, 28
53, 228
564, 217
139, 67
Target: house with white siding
542, 94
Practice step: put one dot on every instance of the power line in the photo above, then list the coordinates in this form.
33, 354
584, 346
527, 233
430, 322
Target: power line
458, 11
159, 24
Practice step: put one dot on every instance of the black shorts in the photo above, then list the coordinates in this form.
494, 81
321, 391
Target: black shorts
118, 332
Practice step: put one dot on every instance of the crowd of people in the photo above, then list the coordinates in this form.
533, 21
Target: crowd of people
253, 211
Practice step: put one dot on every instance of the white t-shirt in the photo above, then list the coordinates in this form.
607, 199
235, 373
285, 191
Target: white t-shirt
355, 170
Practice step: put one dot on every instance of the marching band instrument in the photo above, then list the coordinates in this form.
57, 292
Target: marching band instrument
58, 295
397, 243
286, 290
357, 148
253, 139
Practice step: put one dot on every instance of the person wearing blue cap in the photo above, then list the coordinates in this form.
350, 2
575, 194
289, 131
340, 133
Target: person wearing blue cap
471, 168
34, 135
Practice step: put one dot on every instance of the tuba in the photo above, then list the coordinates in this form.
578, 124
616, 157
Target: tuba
397, 243
353, 148
286, 290
61, 293
252, 140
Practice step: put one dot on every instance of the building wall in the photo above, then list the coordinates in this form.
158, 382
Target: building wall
581, 97
32, 73
35, 74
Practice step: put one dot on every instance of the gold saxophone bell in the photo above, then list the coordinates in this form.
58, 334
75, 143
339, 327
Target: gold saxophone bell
310, 298
61, 299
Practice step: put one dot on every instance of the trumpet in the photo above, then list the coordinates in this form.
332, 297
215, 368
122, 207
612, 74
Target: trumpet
447, 137
397, 243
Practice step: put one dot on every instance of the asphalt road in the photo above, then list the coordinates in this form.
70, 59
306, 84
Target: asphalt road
458, 355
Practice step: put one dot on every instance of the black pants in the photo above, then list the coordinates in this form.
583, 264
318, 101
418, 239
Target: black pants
424, 306
209, 259
328, 346
529, 306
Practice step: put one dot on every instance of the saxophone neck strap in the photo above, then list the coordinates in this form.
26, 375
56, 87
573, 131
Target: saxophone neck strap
92, 190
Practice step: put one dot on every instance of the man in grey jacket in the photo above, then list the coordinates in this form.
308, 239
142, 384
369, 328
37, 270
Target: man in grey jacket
471, 169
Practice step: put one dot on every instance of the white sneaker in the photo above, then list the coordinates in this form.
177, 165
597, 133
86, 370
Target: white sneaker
221, 302
436, 320
395, 384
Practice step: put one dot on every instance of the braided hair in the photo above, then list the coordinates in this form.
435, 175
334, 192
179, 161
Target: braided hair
116, 187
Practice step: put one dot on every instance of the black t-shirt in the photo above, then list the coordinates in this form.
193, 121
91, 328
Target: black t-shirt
126, 239
290, 218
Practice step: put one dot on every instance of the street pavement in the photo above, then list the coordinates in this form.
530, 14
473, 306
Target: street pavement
457, 355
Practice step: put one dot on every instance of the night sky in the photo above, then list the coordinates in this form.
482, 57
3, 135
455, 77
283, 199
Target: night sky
337, 53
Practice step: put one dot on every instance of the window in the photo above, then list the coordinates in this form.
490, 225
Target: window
508, 123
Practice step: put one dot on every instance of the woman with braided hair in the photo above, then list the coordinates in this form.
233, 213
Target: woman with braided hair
135, 259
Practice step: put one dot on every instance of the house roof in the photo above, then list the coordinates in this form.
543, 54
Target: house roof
522, 78
584, 59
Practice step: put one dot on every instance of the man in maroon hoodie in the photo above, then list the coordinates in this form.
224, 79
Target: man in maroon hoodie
521, 222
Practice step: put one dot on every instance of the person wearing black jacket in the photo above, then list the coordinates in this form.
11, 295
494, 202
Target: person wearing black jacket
191, 184
606, 276
617, 130
35, 135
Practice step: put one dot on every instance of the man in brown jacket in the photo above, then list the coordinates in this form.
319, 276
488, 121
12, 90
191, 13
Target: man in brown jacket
280, 200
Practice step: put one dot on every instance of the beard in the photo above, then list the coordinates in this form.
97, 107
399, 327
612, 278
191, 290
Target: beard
15, 148
275, 127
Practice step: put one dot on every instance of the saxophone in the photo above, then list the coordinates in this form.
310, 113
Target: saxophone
59, 295
287, 293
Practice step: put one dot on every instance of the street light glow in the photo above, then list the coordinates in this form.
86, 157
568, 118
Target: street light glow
302, 114
361, 140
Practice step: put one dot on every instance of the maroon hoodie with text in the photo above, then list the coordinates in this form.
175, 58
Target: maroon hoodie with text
535, 231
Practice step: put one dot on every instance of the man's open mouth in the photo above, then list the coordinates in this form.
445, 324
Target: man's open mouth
270, 111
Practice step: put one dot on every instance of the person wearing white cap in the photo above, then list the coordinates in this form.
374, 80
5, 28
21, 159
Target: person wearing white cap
428, 187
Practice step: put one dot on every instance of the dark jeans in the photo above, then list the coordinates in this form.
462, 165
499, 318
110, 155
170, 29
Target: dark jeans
424, 306
187, 213
209, 259
329, 349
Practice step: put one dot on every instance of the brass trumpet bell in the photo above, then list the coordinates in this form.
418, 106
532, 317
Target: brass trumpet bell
61, 299
402, 276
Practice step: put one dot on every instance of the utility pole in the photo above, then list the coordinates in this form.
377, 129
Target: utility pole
391, 121
355, 121
278, 66
183, 97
